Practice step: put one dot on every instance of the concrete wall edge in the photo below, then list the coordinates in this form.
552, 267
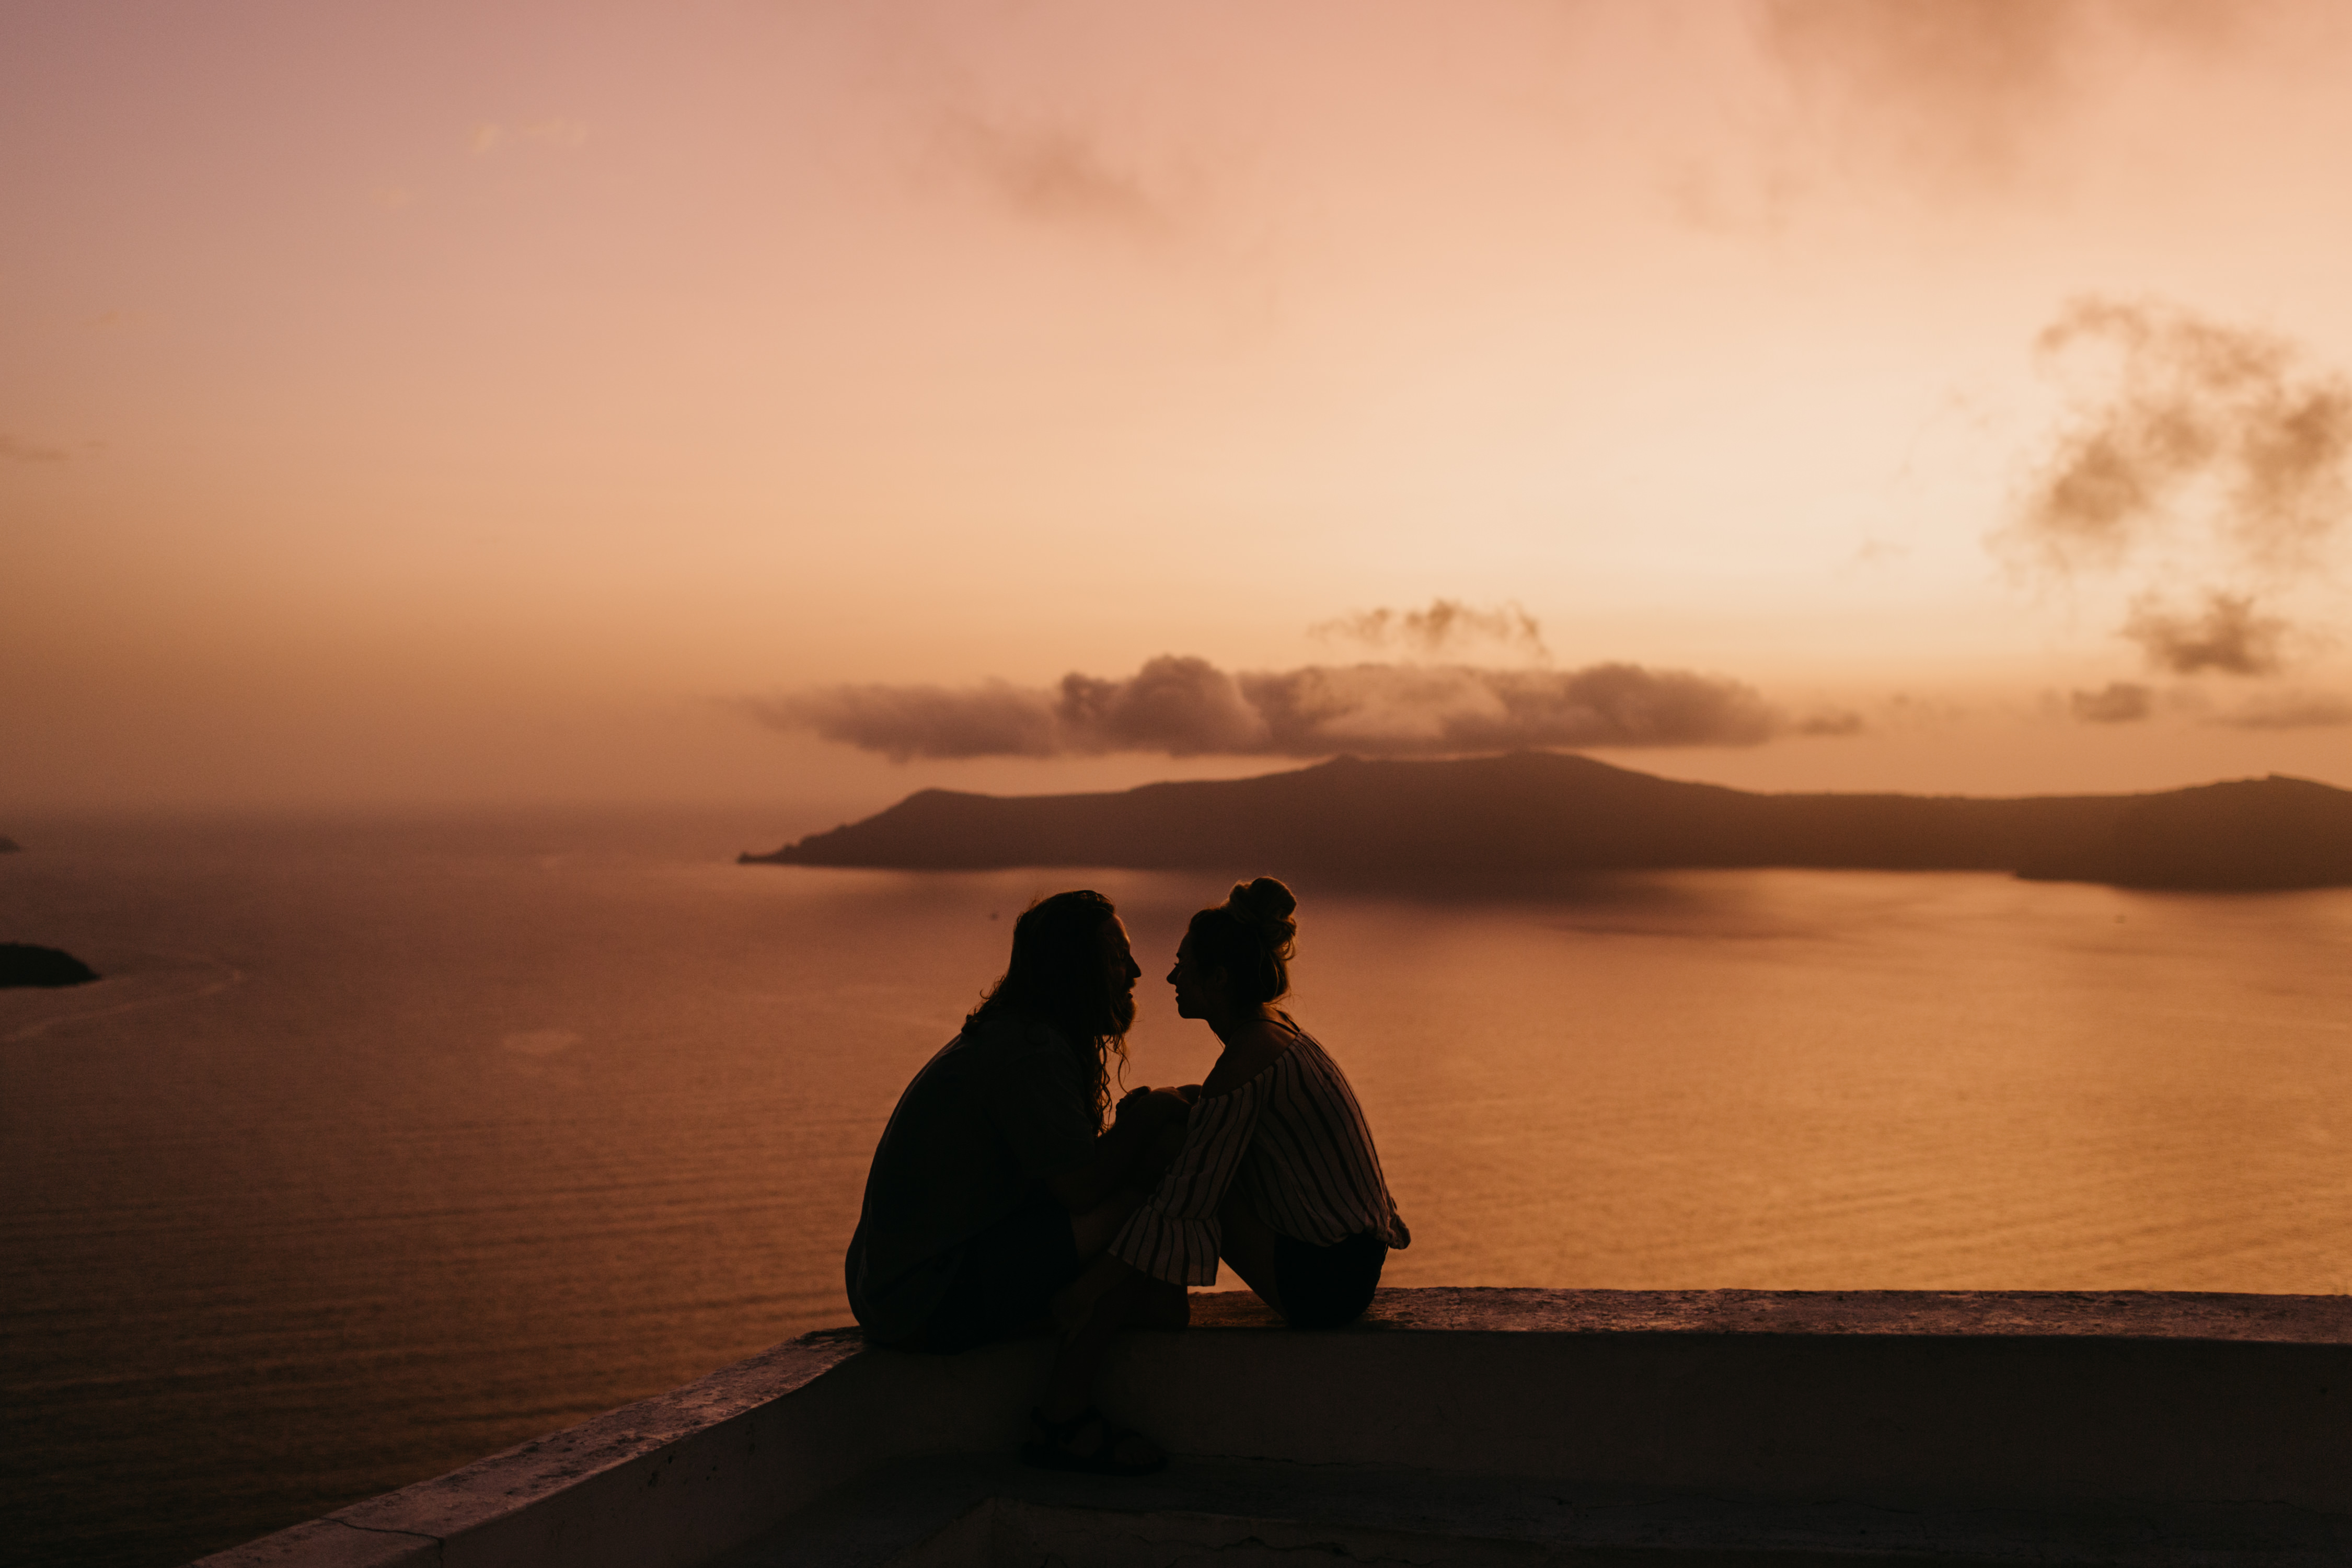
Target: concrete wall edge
705, 1465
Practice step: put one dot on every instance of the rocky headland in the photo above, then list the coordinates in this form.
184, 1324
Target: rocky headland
22, 963
1531, 818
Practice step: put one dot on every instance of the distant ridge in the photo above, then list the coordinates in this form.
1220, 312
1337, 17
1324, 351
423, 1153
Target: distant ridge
22, 963
1531, 817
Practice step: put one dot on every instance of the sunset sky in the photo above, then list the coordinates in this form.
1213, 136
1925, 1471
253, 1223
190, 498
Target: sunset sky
427, 403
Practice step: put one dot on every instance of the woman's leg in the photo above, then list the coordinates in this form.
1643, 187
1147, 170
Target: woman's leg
1249, 1248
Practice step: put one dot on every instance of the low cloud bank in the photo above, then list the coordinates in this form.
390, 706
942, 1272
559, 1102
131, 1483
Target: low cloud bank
2290, 710
2121, 703
1188, 707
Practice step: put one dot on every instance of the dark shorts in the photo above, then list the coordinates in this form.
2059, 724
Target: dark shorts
1324, 1286
1007, 1279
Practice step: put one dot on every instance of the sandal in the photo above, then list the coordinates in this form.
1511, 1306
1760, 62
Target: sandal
1053, 1447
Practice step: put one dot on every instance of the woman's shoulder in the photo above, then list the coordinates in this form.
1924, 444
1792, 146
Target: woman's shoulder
1247, 1059
1308, 1059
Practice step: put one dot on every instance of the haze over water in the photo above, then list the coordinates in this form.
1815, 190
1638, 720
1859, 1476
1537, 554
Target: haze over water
388, 1142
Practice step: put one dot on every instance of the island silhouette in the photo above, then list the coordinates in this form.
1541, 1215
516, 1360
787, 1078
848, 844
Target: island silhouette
22, 964
1530, 818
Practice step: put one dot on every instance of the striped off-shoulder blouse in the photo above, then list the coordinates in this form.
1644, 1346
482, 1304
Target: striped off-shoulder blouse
1292, 1141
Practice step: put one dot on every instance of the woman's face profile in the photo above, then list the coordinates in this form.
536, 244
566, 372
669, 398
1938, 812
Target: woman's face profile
1197, 995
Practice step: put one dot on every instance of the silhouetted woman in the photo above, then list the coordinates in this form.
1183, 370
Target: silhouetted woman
1277, 1175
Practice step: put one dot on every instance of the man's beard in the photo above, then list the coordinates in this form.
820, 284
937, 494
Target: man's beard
1122, 1011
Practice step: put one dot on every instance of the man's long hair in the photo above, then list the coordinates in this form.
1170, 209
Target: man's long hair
1058, 976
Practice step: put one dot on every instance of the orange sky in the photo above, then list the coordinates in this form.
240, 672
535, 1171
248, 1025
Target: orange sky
431, 402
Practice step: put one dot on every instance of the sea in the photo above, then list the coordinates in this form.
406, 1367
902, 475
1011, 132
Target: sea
387, 1142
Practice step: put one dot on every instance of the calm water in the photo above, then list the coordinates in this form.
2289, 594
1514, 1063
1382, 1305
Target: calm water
385, 1145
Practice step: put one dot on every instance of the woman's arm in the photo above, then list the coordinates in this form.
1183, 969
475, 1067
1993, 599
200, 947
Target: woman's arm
1136, 1125
1173, 1237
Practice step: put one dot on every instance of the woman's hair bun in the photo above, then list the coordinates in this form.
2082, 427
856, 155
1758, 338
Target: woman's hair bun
1266, 905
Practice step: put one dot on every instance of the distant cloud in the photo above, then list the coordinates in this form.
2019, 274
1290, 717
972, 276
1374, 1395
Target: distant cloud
1969, 90
1960, 82
2290, 710
2194, 413
1053, 173
1447, 624
2229, 636
903, 722
1829, 721
17, 451
1186, 707
2121, 703
2203, 458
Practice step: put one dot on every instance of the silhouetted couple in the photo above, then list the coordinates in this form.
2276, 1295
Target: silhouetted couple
999, 1204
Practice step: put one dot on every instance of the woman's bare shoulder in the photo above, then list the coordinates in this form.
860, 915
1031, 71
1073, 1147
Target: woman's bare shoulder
1256, 1048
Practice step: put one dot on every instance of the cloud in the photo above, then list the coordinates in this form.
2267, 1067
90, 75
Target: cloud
1972, 90
1447, 623
1957, 84
1829, 721
1188, 707
2229, 636
1180, 705
2212, 428
1054, 173
2290, 710
2121, 703
903, 722
2193, 457
18, 451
